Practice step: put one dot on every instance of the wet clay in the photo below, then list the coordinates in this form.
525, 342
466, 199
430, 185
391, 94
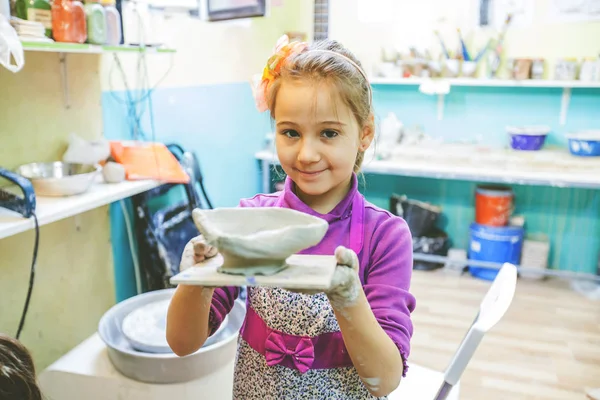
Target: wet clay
258, 240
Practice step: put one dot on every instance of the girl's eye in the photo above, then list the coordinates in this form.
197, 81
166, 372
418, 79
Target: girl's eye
329, 134
291, 133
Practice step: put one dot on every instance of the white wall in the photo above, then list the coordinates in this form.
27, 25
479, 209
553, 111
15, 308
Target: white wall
412, 23
216, 52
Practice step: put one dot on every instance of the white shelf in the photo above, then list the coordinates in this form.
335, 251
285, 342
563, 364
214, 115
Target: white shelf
51, 209
509, 172
85, 48
476, 82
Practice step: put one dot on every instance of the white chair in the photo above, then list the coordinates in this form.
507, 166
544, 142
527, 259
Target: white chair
419, 382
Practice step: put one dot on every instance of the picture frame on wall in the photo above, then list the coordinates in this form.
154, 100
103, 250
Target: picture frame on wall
221, 10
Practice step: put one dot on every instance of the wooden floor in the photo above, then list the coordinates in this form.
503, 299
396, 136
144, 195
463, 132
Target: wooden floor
546, 347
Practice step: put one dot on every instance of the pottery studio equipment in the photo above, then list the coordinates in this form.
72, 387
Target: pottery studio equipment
258, 246
128, 358
25, 206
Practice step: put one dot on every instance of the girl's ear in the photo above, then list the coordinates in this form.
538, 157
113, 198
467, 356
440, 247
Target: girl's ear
367, 134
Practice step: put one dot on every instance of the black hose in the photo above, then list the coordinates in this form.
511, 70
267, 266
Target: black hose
31, 275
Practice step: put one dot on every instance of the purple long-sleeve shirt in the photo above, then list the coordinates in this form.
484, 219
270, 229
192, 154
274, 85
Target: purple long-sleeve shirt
384, 248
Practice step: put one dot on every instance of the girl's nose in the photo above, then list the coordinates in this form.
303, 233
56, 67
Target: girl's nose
309, 152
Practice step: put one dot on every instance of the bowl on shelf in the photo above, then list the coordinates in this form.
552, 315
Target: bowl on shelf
585, 143
59, 178
527, 138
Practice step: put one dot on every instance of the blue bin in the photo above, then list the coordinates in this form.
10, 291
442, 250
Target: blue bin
494, 244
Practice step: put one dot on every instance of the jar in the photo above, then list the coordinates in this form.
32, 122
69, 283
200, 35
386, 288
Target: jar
96, 23
68, 21
37, 11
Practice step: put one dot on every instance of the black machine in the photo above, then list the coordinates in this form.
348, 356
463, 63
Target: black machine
23, 205
26, 207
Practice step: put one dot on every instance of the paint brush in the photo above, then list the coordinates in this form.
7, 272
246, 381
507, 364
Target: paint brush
483, 50
465, 52
504, 29
444, 49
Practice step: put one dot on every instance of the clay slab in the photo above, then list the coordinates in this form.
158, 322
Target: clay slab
310, 272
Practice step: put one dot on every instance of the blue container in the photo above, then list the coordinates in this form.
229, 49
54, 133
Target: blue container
494, 244
585, 144
528, 138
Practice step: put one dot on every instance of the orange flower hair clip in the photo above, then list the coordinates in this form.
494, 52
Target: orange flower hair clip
281, 53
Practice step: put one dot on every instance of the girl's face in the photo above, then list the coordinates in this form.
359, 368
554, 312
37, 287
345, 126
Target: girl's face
318, 139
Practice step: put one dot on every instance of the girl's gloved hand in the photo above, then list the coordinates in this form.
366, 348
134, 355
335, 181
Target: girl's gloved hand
345, 285
196, 251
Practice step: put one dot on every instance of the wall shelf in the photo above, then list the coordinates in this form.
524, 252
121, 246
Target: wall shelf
51, 209
442, 86
57, 47
469, 171
476, 82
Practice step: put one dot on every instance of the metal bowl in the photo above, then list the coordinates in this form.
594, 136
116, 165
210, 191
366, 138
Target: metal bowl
167, 368
59, 178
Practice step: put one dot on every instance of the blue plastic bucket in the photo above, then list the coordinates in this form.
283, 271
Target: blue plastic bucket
494, 244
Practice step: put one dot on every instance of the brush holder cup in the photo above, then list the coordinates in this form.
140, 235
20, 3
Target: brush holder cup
258, 240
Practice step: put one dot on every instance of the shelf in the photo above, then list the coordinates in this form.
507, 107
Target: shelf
51, 209
476, 82
441, 87
57, 47
474, 169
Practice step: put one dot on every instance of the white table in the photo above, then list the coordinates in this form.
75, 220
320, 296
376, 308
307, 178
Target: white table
52, 209
87, 373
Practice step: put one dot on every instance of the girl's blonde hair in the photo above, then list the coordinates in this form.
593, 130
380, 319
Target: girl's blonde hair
331, 62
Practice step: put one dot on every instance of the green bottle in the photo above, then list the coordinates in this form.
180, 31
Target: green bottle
36, 10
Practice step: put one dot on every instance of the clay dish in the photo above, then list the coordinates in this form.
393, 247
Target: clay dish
258, 240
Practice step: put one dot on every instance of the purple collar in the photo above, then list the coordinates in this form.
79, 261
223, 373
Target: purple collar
340, 211
352, 206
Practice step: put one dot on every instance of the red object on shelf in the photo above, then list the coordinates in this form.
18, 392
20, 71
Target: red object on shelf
69, 21
143, 160
493, 205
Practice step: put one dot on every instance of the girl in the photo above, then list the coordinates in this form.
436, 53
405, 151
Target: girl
353, 341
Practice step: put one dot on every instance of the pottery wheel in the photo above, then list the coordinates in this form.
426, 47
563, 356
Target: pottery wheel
145, 327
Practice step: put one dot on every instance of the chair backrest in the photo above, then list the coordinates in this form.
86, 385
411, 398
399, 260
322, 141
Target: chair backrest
492, 308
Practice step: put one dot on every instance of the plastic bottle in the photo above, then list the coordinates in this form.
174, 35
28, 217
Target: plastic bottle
68, 21
113, 23
37, 11
96, 22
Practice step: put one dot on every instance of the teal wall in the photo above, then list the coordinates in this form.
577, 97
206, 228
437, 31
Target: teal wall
221, 125
570, 217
